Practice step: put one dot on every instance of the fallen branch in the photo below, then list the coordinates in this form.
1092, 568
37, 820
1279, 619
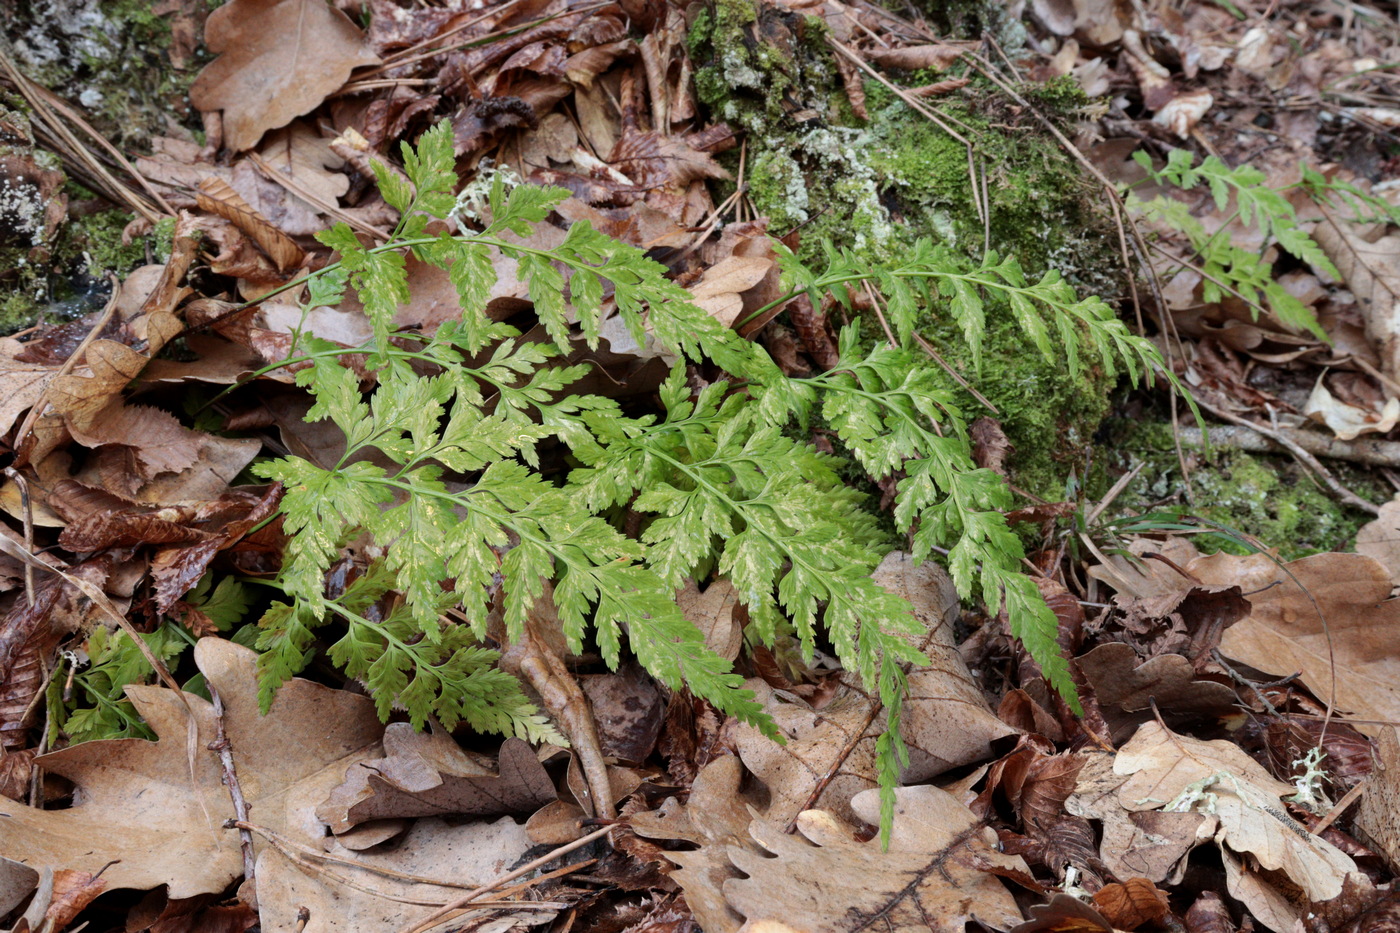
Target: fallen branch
1369, 451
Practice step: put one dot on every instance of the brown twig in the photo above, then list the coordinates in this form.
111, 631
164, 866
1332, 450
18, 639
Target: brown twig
221, 745
443, 912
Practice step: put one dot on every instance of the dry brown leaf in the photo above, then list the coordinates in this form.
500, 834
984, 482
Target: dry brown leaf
1123, 687
719, 292
1378, 819
1133, 903
366, 896
714, 613
935, 876
1243, 809
1346, 421
278, 59
1371, 269
174, 837
1064, 914
1380, 539
1284, 635
428, 774
946, 722
916, 57
216, 197
716, 818
147, 814
1151, 844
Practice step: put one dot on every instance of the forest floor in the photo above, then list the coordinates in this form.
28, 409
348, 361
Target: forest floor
1091, 306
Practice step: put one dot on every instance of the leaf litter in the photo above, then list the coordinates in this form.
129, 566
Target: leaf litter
1208, 680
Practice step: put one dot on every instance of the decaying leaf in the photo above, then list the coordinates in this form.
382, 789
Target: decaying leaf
428, 774
946, 721
278, 59
1243, 809
937, 874
1369, 269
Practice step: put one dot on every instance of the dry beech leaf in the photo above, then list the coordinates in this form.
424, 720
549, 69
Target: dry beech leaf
716, 818
1243, 810
1380, 539
1378, 819
277, 60
1369, 270
1284, 635
936, 875
946, 722
216, 197
428, 774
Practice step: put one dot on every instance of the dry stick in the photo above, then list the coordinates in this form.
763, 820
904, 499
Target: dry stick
240, 804
466, 899
1339, 491
43, 109
957, 376
272, 173
1369, 451
1349, 798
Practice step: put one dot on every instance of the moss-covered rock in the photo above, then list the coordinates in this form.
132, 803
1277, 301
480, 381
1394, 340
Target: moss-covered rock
1270, 498
53, 256
875, 186
111, 59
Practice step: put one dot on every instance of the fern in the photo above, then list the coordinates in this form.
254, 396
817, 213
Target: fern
1267, 209
440, 469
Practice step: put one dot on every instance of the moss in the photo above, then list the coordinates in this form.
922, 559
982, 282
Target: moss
110, 58
876, 186
1269, 498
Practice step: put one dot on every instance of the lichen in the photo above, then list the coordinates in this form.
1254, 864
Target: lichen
110, 58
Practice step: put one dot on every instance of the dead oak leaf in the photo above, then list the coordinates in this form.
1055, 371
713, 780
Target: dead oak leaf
945, 720
716, 817
428, 774
147, 814
937, 874
278, 60
1243, 809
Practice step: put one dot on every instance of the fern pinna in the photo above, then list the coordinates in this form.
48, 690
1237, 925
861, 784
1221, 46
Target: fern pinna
719, 483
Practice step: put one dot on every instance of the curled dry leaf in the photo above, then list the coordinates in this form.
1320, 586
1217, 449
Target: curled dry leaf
1243, 809
428, 774
277, 60
1346, 421
946, 722
938, 874
716, 818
